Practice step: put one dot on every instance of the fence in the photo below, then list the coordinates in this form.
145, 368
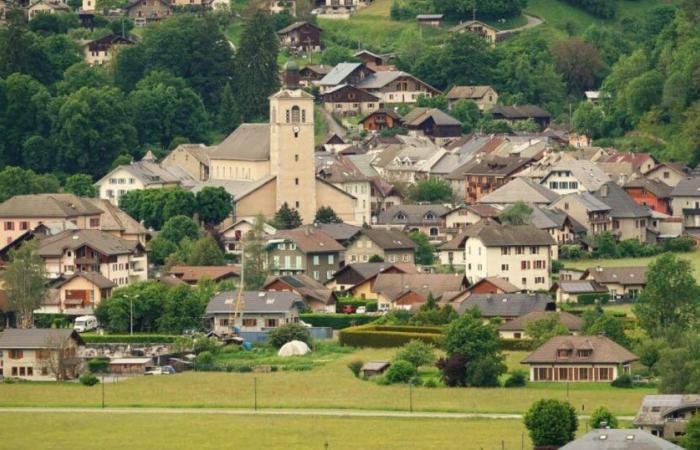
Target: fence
319, 333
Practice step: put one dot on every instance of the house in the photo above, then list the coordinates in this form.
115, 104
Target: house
395, 86
571, 176
316, 296
422, 218
669, 173
381, 119
72, 251
77, 294
568, 291
493, 285
520, 189
144, 174
431, 20
621, 281
629, 219
334, 143
487, 32
521, 254
104, 49
40, 353
410, 161
372, 368
343, 233
259, 310
620, 439
342, 6
278, 6
485, 97
464, 215
584, 208
339, 171
391, 246
46, 7
346, 100
482, 176
301, 36
685, 203
310, 75
148, 11
344, 73
516, 328
406, 291
192, 158
305, 250
375, 61
433, 123
666, 416
639, 161
451, 252
361, 276
579, 359
118, 223
23, 213
130, 366
232, 235
518, 113
650, 192
507, 306
194, 274
563, 228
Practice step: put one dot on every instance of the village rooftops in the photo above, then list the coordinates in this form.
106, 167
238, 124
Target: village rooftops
100, 241
296, 25
394, 285
624, 275
570, 321
588, 173
48, 205
515, 112
303, 285
412, 214
36, 338
581, 349
687, 187
655, 408
656, 187
521, 189
115, 219
621, 204
339, 73
192, 274
466, 92
341, 232
310, 239
514, 304
587, 200
493, 166
389, 239
380, 79
95, 278
499, 235
581, 287
254, 302
419, 115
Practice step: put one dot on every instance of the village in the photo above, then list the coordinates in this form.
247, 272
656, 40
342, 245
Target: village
344, 242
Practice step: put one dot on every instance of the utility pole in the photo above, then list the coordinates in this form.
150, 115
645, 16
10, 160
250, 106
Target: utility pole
255, 394
410, 396
103, 391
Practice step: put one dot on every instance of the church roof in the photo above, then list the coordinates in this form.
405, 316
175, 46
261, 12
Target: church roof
249, 142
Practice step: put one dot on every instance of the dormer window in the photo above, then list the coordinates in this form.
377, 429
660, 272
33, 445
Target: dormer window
585, 353
564, 353
401, 216
430, 216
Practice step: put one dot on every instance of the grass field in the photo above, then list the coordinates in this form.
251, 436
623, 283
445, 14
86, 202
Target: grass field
693, 257
175, 431
329, 386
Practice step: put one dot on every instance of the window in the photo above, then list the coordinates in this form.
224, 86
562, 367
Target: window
296, 181
329, 274
539, 280
433, 231
296, 114
287, 116
585, 353
94, 222
14, 371
9, 225
524, 281
296, 204
519, 250
564, 353
250, 322
24, 225
505, 250
504, 267
331, 259
517, 335
524, 265
667, 174
296, 157
223, 322
534, 250
15, 354
271, 323
316, 260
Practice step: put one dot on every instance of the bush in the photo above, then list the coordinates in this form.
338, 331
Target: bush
336, 321
388, 336
516, 379
557, 266
202, 343
679, 244
279, 336
88, 379
623, 381
355, 367
600, 416
98, 365
517, 344
591, 299
204, 361
400, 372
454, 369
129, 339
416, 352
431, 383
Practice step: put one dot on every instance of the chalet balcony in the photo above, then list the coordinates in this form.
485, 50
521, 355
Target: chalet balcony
87, 260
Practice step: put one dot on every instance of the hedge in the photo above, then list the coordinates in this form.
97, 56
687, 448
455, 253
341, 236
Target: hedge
128, 339
371, 305
336, 321
378, 336
590, 299
517, 344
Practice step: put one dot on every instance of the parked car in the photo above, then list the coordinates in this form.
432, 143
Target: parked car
85, 323
164, 370
348, 309
361, 310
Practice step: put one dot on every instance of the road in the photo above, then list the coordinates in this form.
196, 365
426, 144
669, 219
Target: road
532, 22
333, 126
276, 412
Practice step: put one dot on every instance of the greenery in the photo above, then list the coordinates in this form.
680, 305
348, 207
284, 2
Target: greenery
24, 282
325, 214
691, 438
255, 256
602, 417
518, 214
542, 330
214, 204
597, 321
424, 249
551, 422
417, 353
516, 379
431, 190
286, 218
623, 381
128, 338
335, 321
379, 336
289, 332
355, 367
18, 181
400, 371
679, 366
81, 185
88, 379
98, 365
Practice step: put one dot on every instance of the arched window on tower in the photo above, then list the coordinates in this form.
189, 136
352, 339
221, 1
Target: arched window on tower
295, 114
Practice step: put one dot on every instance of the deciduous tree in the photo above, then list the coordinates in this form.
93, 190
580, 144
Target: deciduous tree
81, 185
214, 204
25, 282
551, 422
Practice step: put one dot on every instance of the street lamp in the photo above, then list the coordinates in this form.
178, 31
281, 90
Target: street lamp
131, 312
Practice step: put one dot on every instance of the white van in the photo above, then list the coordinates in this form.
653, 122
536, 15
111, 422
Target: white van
85, 323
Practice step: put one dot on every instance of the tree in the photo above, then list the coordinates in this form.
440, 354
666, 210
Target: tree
60, 358
416, 352
229, 113
424, 249
551, 422
214, 204
601, 418
146, 297
669, 302
517, 214
649, 352
256, 268
467, 112
691, 438
453, 369
287, 218
542, 330
17, 181
335, 54
182, 309
579, 63
400, 372
431, 190
256, 66
589, 119
605, 246
205, 252
25, 282
159, 249
679, 366
325, 214
595, 322
287, 333
178, 228
81, 185
478, 342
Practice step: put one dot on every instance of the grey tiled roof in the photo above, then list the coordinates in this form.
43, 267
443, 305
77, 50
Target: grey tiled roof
254, 302
520, 189
389, 239
415, 214
250, 142
621, 204
33, 338
586, 172
618, 439
625, 275
339, 73
570, 321
48, 205
419, 115
581, 286
497, 235
100, 241
687, 187
507, 305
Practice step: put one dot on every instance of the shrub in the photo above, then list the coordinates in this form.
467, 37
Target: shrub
416, 352
279, 336
336, 321
679, 244
602, 415
400, 372
454, 369
431, 383
202, 343
485, 371
623, 381
88, 379
355, 367
388, 336
204, 361
517, 344
551, 422
371, 305
516, 379
590, 299
98, 365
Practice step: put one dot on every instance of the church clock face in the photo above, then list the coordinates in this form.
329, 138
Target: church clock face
295, 129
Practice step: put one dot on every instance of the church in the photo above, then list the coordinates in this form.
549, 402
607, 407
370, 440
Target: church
265, 165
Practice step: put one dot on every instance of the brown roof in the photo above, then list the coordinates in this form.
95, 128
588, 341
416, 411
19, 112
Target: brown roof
625, 275
33, 338
95, 278
635, 159
48, 205
305, 286
115, 219
493, 234
570, 321
192, 274
657, 188
467, 92
309, 239
394, 285
500, 283
492, 166
100, 241
389, 239
605, 351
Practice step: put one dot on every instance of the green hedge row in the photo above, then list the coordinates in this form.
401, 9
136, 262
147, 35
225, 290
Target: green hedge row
590, 299
371, 305
336, 321
129, 339
518, 344
379, 336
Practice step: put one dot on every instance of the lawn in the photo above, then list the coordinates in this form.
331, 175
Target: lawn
693, 257
331, 385
185, 431
235, 357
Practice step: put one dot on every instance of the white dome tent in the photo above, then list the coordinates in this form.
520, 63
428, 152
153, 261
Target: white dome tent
294, 348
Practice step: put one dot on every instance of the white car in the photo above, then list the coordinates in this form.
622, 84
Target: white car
361, 310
